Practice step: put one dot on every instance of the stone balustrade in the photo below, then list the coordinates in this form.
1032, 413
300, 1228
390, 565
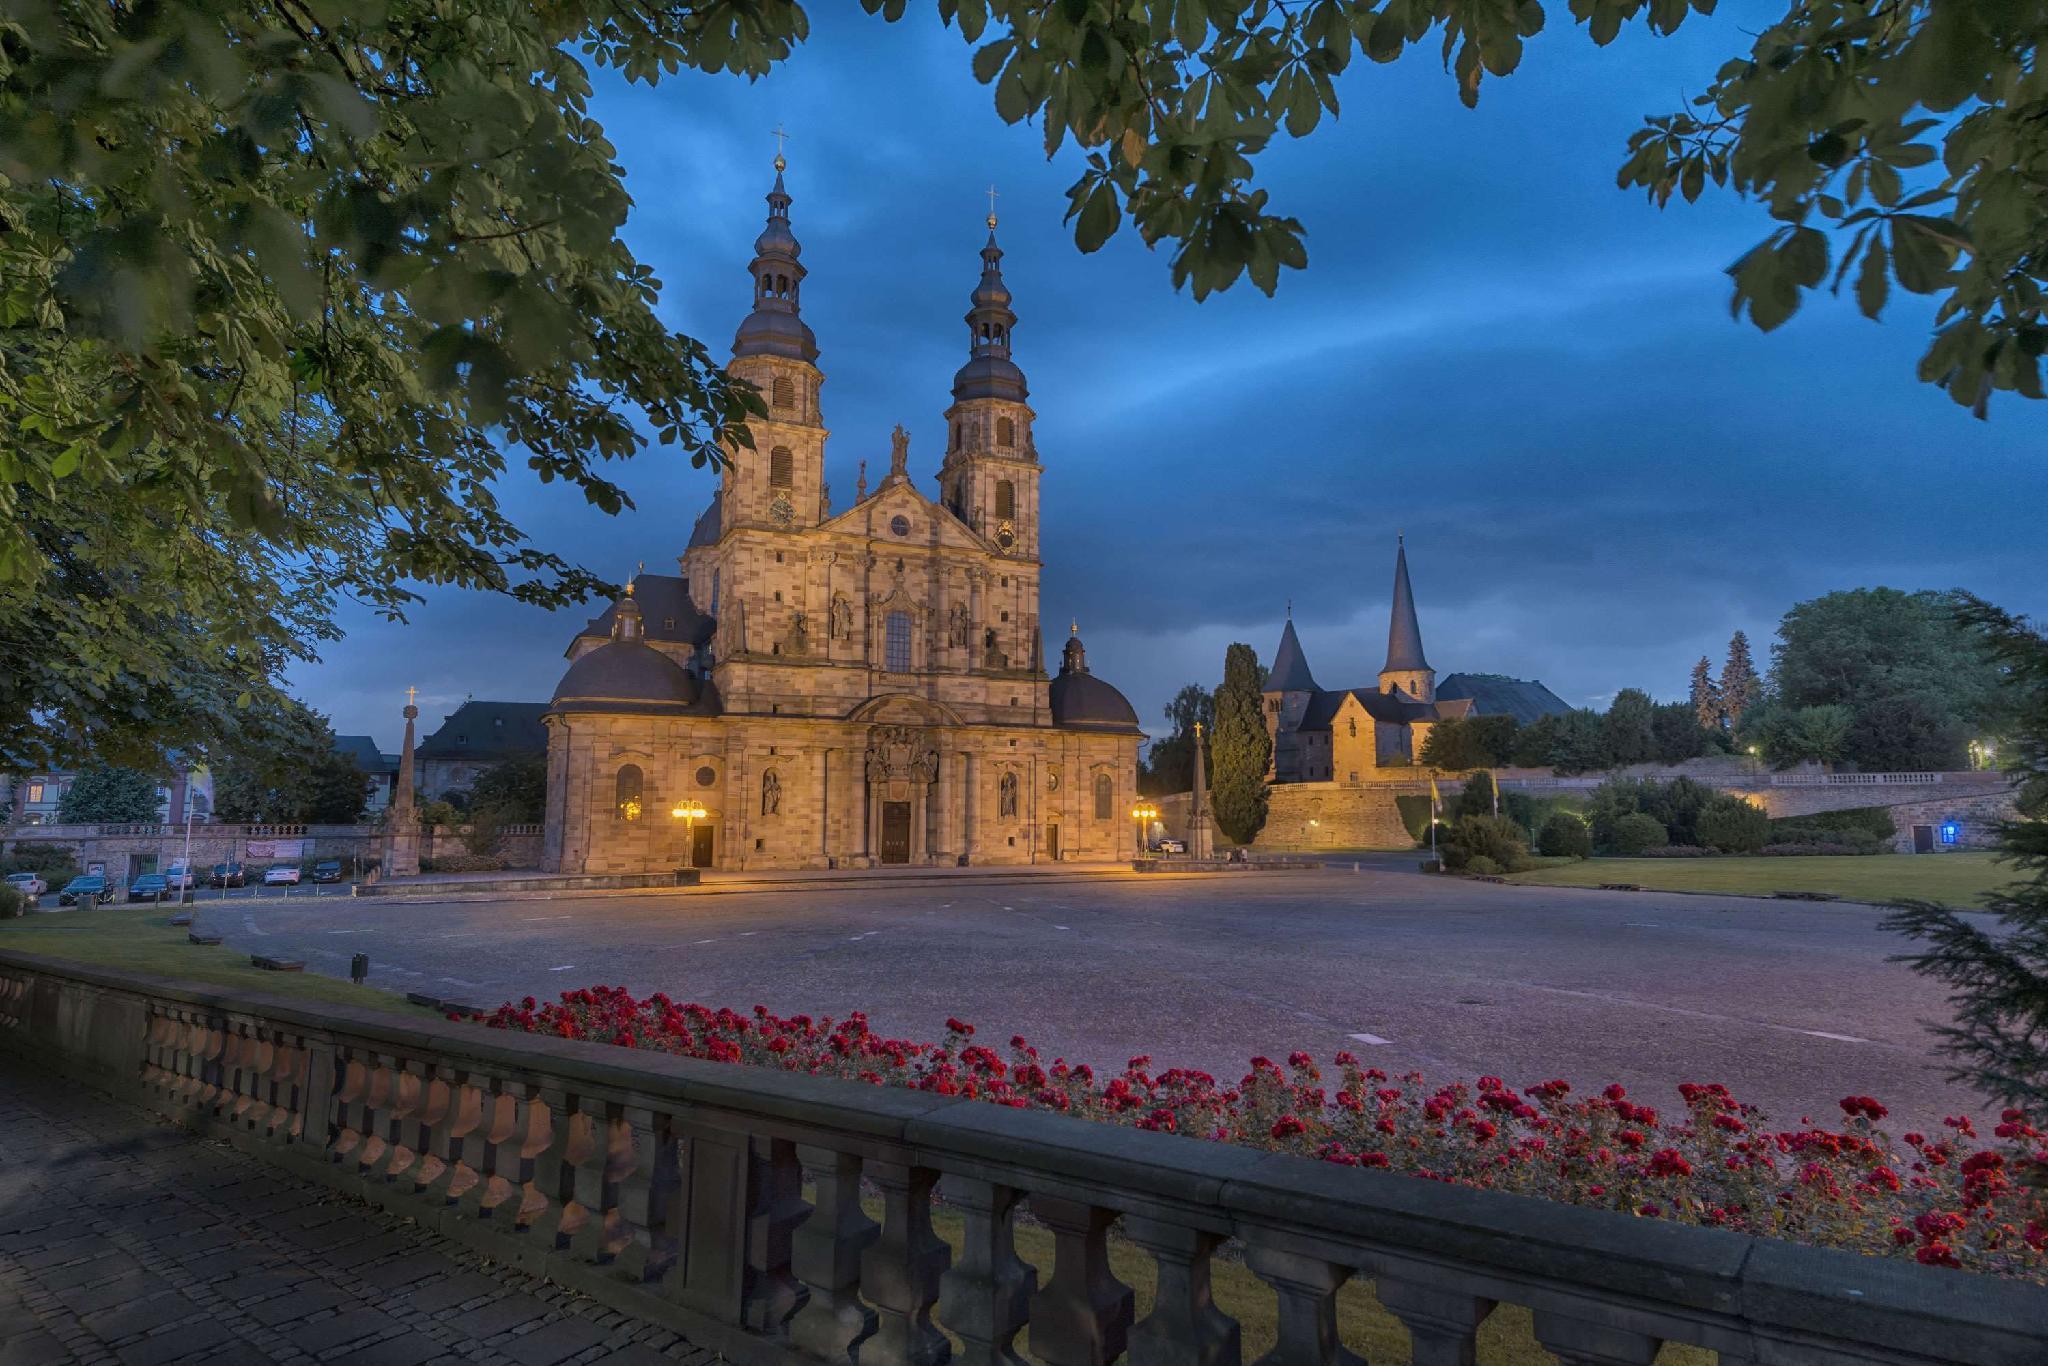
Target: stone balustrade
727, 1202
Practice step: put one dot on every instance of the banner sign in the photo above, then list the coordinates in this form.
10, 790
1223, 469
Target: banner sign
287, 850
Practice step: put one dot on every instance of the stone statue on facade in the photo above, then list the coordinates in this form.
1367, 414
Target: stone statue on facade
799, 640
962, 627
842, 617
824, 501
1006, 797
771, 793
991, 653
899, 453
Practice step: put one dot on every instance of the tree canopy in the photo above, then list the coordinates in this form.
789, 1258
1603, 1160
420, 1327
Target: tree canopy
1241, 749
286, 287
287, 770
108, 795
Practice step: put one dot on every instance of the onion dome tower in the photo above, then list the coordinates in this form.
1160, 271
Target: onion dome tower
990, 474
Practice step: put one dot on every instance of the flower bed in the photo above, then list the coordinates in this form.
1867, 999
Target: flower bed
1946, 1200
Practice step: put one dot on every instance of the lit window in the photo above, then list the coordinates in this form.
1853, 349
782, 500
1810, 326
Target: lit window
896, 644
35, 792
1104, 795
626, 793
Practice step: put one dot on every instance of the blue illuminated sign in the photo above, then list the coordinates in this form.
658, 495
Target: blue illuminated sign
1950, 832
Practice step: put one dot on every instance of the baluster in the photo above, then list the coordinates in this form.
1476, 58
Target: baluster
498, 1112
574, 1141
645, 1192
1307, 1287
511, 1114
775, 1206
1442, 1324
1185, 1325
601, 1234
1583, 1342
985, 1298
437, 1115
355, 1084
900, 1270
541, 1120
408, 1105
825, 1254
469, 1141
1081, 1316
376, 1114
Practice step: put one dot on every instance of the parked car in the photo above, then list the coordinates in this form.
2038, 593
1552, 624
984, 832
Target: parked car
28, 884
149, 887
1170, 846
177, 877
89, 888
283, 875
328, 870
228, 875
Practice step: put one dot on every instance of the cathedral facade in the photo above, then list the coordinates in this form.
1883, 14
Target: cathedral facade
843, 687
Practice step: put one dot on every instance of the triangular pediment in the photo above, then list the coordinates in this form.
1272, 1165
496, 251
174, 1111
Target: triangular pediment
873, 518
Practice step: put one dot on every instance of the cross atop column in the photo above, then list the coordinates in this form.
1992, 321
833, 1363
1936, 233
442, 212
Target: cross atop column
991, 208
411, 695
780, 138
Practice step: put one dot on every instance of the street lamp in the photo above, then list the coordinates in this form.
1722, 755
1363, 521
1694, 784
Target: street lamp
689, 813
1142, 813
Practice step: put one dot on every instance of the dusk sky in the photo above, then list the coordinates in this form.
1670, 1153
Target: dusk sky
1531, 373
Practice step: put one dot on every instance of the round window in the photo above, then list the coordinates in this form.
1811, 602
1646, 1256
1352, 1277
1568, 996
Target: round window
706, 776
900, 525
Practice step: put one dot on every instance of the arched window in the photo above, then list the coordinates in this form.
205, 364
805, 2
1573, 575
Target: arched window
1006, 497
896, 643
626, 793
1105, 795
785, 392
781, 468
1006, 432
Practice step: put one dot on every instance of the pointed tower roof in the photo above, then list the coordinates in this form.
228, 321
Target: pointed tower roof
1290, 666
774, 328
989, 372
1404, 632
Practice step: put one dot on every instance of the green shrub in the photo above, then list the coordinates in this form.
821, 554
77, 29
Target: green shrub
463, 863
1733, 826
55, 864
1479, 865
12, 903
1475, 798
1414, 816
1491, 837
1636, 832
1675, 805
1564, 836
1858, 824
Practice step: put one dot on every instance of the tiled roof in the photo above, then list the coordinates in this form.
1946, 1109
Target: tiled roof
1290, 666
666, 612
363, 749
1498, 695
488, 730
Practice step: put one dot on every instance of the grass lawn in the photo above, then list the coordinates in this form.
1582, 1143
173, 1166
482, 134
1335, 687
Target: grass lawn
1952, 879
142, 939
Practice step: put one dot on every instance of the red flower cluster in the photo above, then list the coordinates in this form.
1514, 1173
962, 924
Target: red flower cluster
1945, 1202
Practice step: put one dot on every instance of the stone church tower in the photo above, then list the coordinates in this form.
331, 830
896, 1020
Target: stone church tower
852, 687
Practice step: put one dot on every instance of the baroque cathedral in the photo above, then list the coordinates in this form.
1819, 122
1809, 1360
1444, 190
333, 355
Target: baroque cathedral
843, 688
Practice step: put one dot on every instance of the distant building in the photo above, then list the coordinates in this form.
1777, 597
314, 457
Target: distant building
380, 768
474, 737
1352, 735
37, 797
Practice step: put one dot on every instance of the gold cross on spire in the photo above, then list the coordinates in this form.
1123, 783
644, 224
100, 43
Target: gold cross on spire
780, 138
410, 695
991, 208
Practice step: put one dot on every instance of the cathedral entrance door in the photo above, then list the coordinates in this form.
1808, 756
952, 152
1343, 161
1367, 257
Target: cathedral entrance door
1052, 841
700, 847
895, 832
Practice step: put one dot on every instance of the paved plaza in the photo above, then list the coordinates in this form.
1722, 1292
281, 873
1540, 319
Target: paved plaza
123, 1240
1793, 1005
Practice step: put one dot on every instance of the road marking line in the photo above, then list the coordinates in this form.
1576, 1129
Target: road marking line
459, 982
706, 941
1839, 1038
745, 933
1059, 927
564, 968
1372, 1039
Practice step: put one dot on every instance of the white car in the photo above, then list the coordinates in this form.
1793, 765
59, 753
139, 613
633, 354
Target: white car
178, 878
28, 884
283, 875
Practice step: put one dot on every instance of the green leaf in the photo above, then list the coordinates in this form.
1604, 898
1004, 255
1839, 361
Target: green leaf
1099, 218
1873, 282
989, 59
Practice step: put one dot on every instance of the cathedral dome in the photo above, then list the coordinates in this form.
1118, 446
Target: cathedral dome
628, 675
1081, 701
989, 376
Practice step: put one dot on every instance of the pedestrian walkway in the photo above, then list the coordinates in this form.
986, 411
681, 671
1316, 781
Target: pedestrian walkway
124, 1240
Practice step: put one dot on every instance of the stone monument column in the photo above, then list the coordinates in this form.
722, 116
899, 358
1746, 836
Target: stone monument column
1201, 829
401, 826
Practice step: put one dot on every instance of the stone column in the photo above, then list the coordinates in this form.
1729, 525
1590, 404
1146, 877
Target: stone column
1201, 829
821, 775
401, 826
944, 842
968, 814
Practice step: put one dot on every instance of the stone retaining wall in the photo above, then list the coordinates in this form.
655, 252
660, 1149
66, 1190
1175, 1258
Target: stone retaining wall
675, 1189
128, 849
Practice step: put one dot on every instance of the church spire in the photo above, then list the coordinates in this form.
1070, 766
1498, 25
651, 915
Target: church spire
1290, 665
989, 372
1404, 631
773, 328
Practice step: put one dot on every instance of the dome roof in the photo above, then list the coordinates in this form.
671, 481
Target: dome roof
989, 376
1081, 701
709, 526
630, 675
772, 333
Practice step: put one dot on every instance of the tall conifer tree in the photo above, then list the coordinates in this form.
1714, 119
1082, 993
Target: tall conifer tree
1706, 696
1741, 689
1240, 749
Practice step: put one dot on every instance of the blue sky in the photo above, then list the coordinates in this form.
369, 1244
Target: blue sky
1530, 373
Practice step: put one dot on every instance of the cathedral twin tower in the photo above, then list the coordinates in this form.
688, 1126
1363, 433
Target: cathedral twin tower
833, 688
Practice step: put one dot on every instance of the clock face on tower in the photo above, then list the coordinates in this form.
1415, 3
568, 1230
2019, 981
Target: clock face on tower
781, 511
1006, 535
